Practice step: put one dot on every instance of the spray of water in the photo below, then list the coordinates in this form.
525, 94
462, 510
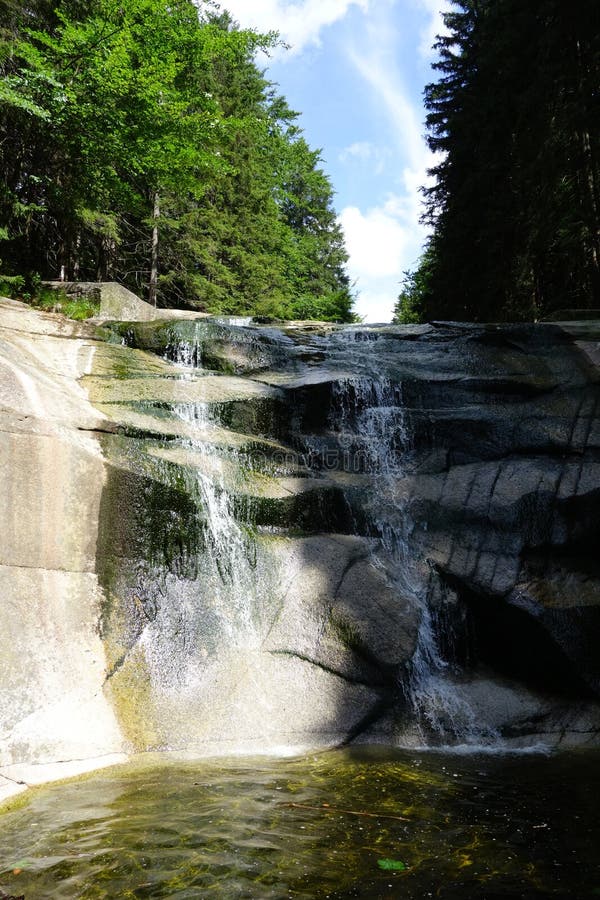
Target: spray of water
229, 546
188, 353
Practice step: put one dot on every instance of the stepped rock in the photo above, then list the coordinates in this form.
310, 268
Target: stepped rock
221, 539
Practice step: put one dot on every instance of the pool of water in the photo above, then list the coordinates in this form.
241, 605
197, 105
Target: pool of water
366, 823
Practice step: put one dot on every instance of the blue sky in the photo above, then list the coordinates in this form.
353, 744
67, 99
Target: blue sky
356, 70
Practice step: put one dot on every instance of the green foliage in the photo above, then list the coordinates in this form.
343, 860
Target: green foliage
11, 285
392, 865
56, 300
515, 120
141, 143
29, 289
415, 286
47, 298
79, 309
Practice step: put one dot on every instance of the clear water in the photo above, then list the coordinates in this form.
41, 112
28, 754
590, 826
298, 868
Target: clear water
322, 826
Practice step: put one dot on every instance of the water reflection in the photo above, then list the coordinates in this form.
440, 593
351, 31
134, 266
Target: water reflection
366, 823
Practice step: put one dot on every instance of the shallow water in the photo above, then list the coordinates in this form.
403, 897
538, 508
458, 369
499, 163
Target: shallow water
366, 823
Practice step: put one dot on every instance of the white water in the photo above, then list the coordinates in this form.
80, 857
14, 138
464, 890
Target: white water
372, 412
187, 353
239, 321
228, 545
214, 607
371, 417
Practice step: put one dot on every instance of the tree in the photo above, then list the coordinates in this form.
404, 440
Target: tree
141, 142
414, 286
514, 206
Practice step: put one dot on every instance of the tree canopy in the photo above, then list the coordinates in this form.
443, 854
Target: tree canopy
515, 203
140, 142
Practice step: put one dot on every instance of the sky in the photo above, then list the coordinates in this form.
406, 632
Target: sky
355, 70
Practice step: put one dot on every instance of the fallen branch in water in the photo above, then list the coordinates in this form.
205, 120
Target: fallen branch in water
348, 812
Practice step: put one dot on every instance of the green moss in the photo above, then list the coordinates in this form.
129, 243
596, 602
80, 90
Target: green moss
141, 517
346, 632
18, 801
260, 416
131, 693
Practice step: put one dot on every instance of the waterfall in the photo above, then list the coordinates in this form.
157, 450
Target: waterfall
228, 546
372, 412
212, 607
294, 538
370, 417
303, 455
187, 353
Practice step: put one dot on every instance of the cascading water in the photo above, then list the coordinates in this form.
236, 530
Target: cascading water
369, 436
229, 546
372, 412
316, 561
212, 605
188, 353
373, 425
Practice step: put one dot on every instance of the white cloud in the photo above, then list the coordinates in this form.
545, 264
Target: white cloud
434, 27
376, 305
386, 240
382, 243
360, 149
374, 240
366, 153
299, 22
377, 66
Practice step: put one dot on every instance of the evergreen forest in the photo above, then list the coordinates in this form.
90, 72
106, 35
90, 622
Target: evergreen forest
514, 203
140, 142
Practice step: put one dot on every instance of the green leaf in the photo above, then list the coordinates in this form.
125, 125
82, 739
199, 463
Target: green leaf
392, 865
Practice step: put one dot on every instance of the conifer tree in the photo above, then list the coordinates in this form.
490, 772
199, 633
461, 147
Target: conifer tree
516, 119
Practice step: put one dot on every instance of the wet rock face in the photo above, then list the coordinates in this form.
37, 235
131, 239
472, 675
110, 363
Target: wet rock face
459, 454
503, 484
511, 519
296, 537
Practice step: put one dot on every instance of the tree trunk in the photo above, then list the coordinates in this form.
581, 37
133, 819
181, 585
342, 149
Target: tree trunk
152, 290
75, 256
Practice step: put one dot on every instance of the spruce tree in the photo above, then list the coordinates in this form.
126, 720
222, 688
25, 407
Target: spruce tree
515, 117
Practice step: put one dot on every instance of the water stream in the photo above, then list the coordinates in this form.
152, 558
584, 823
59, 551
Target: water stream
372, 425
